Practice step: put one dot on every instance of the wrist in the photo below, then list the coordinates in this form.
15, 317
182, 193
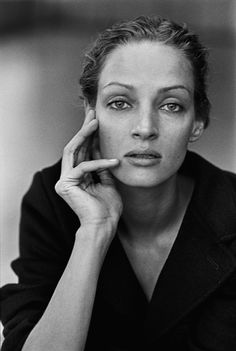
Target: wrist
95, 237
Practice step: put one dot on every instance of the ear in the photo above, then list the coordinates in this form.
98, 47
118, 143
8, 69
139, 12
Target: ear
197, 130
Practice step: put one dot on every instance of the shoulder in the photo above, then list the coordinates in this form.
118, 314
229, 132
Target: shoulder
42, 187
42, 198
44, 181
231, 178
205, 171
50, 174
214, 196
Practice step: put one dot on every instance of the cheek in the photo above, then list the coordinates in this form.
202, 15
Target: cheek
108, 139
177, 140
182, 138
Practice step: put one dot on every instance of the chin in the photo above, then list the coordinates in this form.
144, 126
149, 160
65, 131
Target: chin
140, 179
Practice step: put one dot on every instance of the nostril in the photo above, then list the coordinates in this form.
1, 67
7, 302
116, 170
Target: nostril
152, 136
142, 134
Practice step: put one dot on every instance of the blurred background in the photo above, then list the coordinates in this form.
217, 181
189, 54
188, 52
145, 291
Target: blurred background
41, 47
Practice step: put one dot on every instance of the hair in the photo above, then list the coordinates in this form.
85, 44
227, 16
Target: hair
152, 29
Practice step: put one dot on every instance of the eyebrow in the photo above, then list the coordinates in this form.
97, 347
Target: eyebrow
161, 90
127, 86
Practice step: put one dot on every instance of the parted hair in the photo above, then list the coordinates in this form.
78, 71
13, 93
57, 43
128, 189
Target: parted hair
154, 29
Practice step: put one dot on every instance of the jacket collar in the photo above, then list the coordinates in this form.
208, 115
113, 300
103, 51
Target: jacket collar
214, 196
198, 263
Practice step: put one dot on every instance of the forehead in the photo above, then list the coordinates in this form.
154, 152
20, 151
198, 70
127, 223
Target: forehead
147, 62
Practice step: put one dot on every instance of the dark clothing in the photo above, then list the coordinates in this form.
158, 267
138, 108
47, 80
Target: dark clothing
193, 307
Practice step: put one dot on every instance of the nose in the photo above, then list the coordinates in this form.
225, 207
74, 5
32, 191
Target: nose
145, 126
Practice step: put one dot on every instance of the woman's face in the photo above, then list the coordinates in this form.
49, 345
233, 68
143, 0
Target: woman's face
145, 109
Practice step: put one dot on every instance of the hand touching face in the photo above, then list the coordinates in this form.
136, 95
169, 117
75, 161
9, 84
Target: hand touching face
96, 204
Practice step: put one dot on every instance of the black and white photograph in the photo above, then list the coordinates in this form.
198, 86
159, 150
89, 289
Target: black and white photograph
118, 175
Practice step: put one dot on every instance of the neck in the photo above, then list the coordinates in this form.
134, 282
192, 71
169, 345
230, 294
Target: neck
148, 212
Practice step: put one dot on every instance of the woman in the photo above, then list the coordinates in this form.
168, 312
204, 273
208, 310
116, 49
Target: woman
135, 248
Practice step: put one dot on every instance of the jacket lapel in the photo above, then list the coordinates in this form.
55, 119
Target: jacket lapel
195, 267
118, 286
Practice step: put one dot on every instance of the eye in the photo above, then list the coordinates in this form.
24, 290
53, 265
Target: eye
118, 105
172, 107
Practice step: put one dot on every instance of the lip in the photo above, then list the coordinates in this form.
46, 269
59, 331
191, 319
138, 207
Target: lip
144, 158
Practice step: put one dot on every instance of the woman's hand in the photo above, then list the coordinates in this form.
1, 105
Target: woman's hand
96, 204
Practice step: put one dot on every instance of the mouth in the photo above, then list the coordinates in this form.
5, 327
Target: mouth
144, 154
143, 158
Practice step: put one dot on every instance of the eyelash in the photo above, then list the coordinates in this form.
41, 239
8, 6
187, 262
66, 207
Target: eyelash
179, 107
165, 107
112, 105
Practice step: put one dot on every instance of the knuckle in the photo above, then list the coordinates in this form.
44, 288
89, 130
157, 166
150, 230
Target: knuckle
68, 149
82, 167
61, 188
58, 187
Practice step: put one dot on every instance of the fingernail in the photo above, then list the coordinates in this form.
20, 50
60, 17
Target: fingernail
113, 159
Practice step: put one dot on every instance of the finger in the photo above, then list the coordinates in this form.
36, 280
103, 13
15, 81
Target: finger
87, 147
83, 133
104, 174
72, 149
86, 181
81, 153
92, 166
86, 129
89, 116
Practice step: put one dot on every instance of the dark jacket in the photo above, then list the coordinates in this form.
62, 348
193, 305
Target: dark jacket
193, 307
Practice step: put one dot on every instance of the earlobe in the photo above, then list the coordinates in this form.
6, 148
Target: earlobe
196, 131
